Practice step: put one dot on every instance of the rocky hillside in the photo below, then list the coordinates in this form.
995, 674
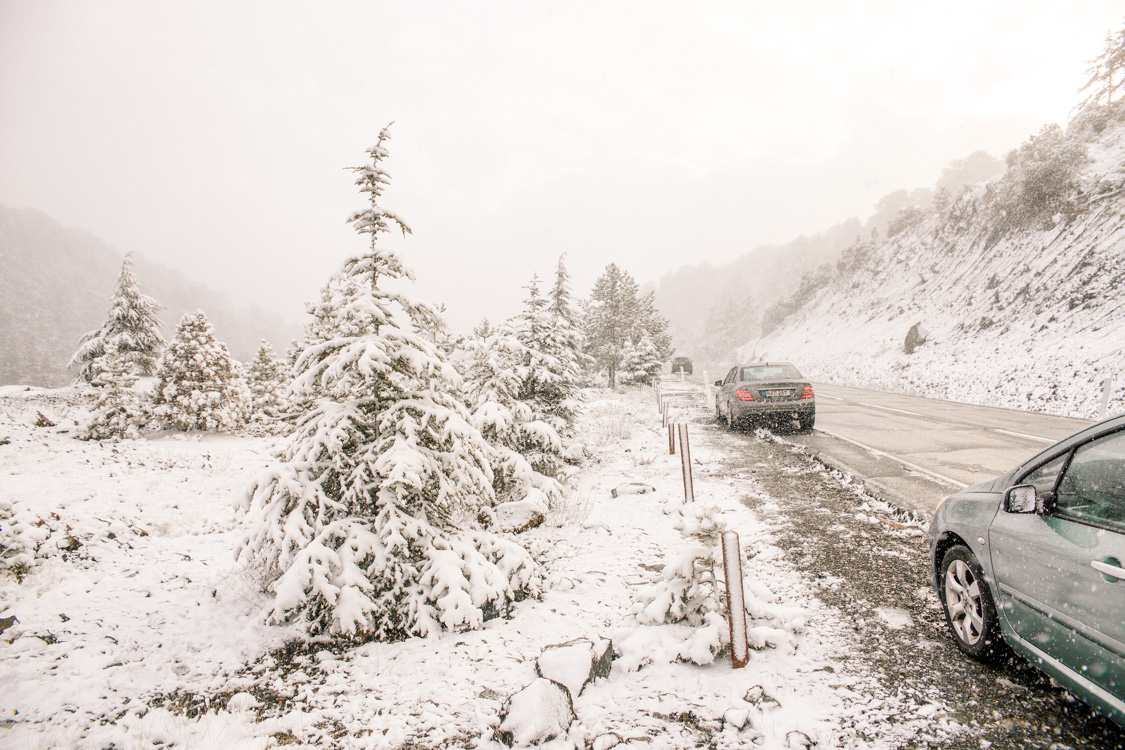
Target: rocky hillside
55, 285
1017, 287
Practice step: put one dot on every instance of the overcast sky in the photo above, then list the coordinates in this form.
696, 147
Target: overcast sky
213, 136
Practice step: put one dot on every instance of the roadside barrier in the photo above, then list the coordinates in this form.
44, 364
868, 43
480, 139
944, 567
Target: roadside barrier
736, 606
685, 462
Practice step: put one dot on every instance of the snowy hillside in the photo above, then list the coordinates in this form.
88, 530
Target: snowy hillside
1018, 284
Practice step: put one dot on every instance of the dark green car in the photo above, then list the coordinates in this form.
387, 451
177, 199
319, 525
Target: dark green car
1034, 561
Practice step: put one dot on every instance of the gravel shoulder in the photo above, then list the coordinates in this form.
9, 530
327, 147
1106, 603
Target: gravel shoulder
870, 562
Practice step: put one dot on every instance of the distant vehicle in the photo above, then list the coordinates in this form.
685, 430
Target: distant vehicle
760, 390
1034, 561
681, 364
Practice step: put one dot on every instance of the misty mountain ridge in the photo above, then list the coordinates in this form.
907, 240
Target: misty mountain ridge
711, 309
1018, 285
56, 286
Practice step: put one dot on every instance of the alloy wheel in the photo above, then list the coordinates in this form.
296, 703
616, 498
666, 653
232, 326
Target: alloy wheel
963, 599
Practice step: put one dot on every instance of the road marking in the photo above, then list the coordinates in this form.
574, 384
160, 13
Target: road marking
907, 464
1024, 435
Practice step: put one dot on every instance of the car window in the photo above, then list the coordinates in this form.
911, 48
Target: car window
770, 372
1093, 486
730, 375
1044, 478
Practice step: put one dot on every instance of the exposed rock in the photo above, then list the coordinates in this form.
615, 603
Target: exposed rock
606, 741
43, 420
757, 696
737, 717
519, 515
541, 711
915, 337
798, 740
575, 663
632, 488
242, 702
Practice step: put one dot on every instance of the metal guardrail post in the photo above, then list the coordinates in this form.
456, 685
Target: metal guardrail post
685, 462
736, 606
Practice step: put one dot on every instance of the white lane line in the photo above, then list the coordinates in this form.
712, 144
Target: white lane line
897, 411
1023, 435
907, 464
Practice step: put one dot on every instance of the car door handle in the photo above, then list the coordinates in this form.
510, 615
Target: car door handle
1107, 569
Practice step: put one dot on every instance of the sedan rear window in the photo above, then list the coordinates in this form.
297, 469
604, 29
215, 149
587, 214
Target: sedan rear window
770, 372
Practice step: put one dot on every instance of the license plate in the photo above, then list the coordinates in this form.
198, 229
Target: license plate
778, 393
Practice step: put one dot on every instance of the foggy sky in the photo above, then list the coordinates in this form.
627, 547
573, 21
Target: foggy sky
213, 136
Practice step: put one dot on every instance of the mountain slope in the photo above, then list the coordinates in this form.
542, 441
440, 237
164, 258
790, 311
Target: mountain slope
1020, 283
56, 283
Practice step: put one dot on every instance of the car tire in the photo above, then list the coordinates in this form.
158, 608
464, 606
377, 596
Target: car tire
806, 420
970, 610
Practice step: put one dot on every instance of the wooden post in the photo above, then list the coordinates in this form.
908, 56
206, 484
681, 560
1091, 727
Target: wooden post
685, 462
671, 440
1107, 388
736, 606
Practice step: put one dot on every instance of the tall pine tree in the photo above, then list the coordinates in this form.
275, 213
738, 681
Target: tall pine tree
367, 528
131, 329
624, 332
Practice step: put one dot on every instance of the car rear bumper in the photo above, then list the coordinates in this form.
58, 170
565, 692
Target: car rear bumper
748, 409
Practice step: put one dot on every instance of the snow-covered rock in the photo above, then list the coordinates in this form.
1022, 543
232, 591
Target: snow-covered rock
576, 663
519, 515
539, 712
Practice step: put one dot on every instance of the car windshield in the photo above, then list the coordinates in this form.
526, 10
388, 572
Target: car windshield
770, 372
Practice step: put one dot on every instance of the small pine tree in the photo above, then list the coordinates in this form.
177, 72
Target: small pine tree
367, 527
526, 449
118, 411
131, 328
268, 381
199, 386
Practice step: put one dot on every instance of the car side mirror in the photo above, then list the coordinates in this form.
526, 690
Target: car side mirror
1022, 499
718, 384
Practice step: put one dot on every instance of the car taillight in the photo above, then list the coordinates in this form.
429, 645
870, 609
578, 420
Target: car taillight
807, 393
743, 395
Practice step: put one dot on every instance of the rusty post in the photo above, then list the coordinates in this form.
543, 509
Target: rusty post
736, 606
685, 462
671, 440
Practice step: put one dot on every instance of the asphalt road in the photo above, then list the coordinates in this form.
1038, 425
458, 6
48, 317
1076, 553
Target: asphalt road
914, 451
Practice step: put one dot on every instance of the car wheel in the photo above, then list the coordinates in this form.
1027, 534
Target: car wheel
806, 420
970, 611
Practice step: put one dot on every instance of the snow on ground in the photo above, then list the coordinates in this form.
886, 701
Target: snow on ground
148, 634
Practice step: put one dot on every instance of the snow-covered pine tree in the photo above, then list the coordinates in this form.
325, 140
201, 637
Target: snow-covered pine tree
1107, 72
268, 380
118, 411
641, 362
367, 528
650, 337
610, 319
565, 342
546, 380
199, 386
526, 449
131, 327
